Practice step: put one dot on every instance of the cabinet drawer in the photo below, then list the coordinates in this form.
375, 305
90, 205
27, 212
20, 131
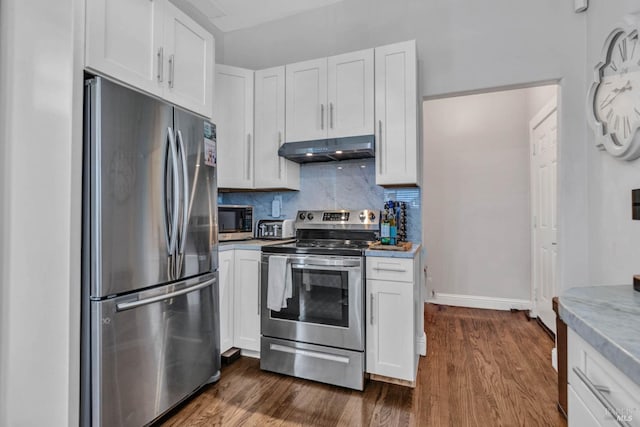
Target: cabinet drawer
394, 269
600, 384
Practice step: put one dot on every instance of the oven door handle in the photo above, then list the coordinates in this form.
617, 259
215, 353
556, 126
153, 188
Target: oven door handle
302, 263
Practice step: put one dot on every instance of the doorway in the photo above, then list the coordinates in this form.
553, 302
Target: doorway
477, 199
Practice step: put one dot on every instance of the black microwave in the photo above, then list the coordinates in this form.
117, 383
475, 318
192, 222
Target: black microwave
235, 222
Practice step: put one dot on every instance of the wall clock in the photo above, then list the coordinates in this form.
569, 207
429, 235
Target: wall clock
614, 98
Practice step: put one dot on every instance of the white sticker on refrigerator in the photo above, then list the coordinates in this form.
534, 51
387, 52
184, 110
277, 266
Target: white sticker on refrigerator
209, 144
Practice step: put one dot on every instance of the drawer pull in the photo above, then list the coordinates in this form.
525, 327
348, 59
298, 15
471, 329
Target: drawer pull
400, 270
597, 391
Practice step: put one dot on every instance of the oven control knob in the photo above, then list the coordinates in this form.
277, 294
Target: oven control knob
362, 216
309, 216
372, 216
301, 216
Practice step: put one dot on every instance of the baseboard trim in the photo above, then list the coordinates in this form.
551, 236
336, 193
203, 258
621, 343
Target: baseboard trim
473, 301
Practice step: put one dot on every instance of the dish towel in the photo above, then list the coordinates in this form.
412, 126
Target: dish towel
279, 287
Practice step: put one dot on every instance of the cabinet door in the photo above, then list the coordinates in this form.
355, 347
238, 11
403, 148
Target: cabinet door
233, 115
124, 39
226, 299
189, 57
247, 304
306, 105
390, 336
272, 171
350, 94
397, 156
579, 414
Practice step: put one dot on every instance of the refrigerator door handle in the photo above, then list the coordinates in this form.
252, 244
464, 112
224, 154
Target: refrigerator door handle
185, 194
171, 234
182, 235
135, 304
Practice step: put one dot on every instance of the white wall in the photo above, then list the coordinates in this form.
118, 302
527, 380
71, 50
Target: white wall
476, 197
41, 122
614, 238
462, 46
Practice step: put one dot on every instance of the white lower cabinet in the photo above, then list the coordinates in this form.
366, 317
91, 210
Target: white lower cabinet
390, 342
239, 274
393, 320
247, 300
580, 416
599, 393
225, 276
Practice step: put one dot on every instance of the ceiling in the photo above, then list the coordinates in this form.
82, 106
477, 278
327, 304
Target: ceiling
230, 15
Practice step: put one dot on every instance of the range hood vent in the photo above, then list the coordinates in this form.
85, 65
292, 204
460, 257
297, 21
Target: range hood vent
326, 150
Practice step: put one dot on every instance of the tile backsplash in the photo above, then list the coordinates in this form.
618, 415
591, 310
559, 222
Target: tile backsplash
349, 184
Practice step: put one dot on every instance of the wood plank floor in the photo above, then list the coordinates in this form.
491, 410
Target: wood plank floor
483, 368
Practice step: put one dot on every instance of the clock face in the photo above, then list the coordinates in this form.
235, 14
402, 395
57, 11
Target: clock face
616, 102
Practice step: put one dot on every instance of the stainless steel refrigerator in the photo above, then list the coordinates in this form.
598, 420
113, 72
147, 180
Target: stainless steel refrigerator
150, 334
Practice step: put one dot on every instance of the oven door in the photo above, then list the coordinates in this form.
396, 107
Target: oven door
326, 306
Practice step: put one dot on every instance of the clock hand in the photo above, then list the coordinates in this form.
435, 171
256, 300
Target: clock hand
617, 92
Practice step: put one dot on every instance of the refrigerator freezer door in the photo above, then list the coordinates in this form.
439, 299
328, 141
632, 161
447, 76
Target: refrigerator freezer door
131, 182
152, 349
198, 240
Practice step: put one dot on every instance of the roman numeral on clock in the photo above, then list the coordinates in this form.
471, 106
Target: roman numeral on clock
622, 47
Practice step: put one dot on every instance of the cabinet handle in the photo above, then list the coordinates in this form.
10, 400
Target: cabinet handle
279, 158
379, 145
331, 115
171, 70
160, 65
248, 156
399, 270
597, 392
321, 116
371, 309
259, 287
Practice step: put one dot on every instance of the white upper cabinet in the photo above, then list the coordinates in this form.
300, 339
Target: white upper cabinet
189, 51
233, 115
272, 171
154, 47
124, 41
330, 97
306, 89
350, 94
397, 154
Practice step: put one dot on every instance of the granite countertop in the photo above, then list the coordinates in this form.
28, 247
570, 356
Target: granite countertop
394, 254
608, 318
253, 244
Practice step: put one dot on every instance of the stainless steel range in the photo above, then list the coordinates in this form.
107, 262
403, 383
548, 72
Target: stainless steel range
312, 298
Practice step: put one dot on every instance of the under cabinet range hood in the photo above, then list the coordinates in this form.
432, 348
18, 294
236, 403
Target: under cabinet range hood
326, 150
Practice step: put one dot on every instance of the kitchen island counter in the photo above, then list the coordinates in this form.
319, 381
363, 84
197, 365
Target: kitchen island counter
608, 318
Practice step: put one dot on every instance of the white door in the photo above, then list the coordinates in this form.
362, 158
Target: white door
306, 103
246, 296
350, 94
272, 171
189, 58
396, 106
124, 41
226, 299
544, 167
233, 115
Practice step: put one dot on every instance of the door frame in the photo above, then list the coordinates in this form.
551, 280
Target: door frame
542, 114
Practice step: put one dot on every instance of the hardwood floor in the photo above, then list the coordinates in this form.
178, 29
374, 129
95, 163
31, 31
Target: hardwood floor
483, 368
